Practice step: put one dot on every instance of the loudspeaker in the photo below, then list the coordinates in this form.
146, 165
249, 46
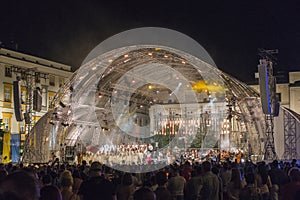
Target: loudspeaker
27, 118
17, 101
265, 96
37, 100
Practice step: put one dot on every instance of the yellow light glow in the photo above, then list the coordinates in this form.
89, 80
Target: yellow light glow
150, 87
202, 86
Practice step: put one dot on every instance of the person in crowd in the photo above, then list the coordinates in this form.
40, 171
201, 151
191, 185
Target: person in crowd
278, 179
193, 185
46, 180
235, 185
187, 171
66, 183
162, 193
77, 180
263, 181
292, 189
250, 191
216, 171
97, 185
209, 183
50, 192
176, 186
3, 174
125, 190
20, 185
144, 193
225, 175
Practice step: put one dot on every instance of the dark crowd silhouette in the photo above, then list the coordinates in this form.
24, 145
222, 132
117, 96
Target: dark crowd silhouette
182, 180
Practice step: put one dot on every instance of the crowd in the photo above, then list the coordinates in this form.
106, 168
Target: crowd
208, 180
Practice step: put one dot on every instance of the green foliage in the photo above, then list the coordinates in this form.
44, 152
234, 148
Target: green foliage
163, 140
197, 142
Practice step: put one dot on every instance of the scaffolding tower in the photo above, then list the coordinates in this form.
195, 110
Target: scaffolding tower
268, 59
290, 135
29, 76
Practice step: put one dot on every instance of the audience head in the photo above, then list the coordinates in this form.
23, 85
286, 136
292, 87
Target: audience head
20, 185
161, 178
127, 179
50, 192
66, 179
249, 178
95, 169
206, 166
144, 193
47, 179
294, 175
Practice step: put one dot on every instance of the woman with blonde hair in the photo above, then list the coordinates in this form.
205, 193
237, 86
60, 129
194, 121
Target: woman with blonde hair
66, 182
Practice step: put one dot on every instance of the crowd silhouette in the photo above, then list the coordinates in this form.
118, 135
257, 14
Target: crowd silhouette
228, 180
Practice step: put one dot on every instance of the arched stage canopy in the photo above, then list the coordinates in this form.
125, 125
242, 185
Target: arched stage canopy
150, 89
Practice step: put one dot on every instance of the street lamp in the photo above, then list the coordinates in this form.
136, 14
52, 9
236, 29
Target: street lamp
205, 122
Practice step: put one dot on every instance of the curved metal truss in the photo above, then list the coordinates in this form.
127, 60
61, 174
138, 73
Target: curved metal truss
82, 113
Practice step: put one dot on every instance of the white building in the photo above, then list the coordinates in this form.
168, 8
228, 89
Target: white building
49, 76
289, 92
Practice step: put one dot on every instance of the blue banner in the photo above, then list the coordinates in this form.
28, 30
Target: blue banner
15, 147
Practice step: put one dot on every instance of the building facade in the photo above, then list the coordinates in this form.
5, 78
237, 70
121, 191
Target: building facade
47, 75
288, 93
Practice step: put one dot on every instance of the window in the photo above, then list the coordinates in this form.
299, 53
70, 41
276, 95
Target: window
278, 97
50, 98
23, 95
37, 76
44, 98
7, 92
22, 127
7, 120
61, 81
52, 80
8, 71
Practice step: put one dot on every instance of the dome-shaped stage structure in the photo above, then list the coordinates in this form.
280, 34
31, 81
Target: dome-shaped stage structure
146, 100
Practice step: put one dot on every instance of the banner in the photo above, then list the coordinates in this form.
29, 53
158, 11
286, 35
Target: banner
15, 147
6, 148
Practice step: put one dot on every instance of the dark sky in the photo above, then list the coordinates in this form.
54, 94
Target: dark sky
231, 31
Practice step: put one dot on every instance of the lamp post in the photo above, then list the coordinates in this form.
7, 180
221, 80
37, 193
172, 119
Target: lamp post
204, 124
1, 137
229, 117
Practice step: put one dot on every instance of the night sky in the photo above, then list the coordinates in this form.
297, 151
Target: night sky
231, 31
